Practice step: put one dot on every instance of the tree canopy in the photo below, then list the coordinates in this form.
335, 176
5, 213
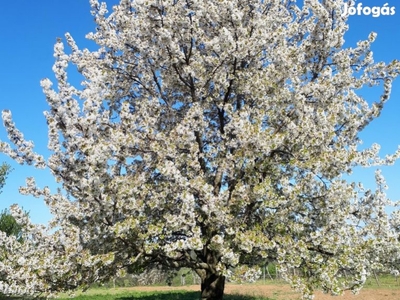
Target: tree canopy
211, 135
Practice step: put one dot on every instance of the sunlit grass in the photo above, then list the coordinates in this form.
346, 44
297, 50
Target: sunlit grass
106, 293
383, 281
175, 295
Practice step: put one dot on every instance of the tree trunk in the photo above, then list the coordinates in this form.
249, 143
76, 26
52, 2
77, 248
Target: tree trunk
212, 286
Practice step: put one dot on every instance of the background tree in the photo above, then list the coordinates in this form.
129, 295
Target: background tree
9, 225
211, 135
7, 222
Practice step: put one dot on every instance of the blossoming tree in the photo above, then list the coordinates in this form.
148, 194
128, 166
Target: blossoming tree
211, 135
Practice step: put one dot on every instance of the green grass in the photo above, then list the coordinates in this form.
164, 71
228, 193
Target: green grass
175, 295
385, 282
106, 293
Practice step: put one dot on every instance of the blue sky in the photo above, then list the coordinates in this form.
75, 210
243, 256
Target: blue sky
29, 30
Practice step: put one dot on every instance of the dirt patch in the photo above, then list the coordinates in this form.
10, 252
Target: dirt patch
284, 292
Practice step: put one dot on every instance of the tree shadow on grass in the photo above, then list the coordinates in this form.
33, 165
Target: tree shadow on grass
182, 296
176, 295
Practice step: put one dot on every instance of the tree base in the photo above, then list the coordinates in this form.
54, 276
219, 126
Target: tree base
212, 287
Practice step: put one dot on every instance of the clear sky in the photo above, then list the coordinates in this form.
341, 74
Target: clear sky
29, 30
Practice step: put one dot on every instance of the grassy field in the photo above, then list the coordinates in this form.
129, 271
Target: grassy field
383, 287
388, 288
175, 295
383, 281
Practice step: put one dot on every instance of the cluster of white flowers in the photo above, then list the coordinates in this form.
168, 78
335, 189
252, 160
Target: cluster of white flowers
211, 135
